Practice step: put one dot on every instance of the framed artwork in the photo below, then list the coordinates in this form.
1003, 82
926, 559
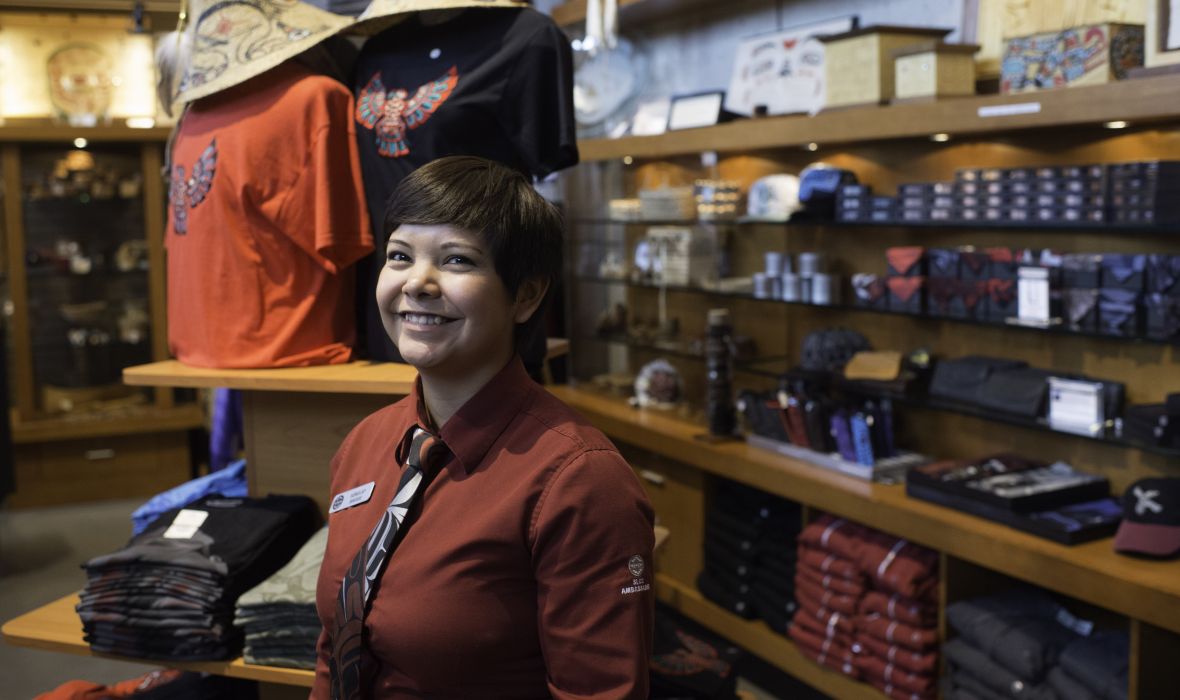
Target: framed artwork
651, 118
1162, 43
697, 110
783, 70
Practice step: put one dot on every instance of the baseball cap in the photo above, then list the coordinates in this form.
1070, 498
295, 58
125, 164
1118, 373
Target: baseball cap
1151, 518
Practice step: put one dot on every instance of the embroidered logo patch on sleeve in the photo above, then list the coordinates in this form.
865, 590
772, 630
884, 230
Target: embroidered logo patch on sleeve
194, 190
390, 114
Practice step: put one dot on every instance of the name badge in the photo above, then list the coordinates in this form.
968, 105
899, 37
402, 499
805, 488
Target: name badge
352, 497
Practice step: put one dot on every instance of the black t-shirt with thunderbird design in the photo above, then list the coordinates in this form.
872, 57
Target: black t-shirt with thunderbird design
490, 82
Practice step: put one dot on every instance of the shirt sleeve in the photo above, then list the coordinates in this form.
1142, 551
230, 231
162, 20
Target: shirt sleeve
537, 111
325, 211
593, 538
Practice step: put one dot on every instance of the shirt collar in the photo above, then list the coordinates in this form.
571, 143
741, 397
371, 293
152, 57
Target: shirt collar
470, 433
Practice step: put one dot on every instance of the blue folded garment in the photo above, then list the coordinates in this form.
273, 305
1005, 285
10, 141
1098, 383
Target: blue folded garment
230, 482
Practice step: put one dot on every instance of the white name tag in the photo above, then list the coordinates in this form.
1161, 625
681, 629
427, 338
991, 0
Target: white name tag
185, 524
352, 497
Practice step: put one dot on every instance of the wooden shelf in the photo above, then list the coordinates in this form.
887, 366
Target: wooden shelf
351, 378
1137, 101
631, 12
144, 419
56, 627
1093, 572
361, 377
755, 637
50, 132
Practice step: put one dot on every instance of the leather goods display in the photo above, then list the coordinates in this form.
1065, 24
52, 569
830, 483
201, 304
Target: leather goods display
763, 415
875, 365
906, 294
943, 262
1081, 309
1081, 270
1002, 302
1163, 316
963, 379
1121, 271
1020, 391
1163, 274
1010, 482
1118, 312
906, 261
828, 350
869, 291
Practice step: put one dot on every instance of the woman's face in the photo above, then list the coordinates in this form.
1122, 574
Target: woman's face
442, 302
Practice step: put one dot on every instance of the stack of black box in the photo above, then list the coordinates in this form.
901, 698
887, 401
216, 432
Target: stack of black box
750, 552
919, 202
856, 203
957, 283
1145, 192
1044, 195
1162, 301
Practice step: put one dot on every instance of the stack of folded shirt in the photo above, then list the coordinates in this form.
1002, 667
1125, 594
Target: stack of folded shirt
279, 615
170, 593
1007, 645
749, 553
897, 621
828, 587
1093, 668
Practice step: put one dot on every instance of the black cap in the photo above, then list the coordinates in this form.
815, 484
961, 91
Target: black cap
1151, 518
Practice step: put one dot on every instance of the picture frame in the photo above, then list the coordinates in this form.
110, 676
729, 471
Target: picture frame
697, 110
783, 70
651, 117
1162, 42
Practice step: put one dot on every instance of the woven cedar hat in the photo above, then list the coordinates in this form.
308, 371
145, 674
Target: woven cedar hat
235, 40
381, 14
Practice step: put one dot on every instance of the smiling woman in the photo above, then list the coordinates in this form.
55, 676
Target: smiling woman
505, 548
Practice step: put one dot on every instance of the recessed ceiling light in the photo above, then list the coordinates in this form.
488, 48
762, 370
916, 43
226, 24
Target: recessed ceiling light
80, 142
813, 146
940, 137
628, 160
1116, 124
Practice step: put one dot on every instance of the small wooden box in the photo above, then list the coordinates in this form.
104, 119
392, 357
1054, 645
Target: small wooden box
934, 69
1093, 54
858, 65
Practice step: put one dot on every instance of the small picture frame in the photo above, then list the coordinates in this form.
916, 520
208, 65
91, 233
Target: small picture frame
697, 110
1163, 33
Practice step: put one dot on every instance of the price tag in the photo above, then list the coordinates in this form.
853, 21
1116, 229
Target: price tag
185, 524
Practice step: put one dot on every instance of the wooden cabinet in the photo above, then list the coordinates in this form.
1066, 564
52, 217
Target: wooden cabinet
84, 261
885, 146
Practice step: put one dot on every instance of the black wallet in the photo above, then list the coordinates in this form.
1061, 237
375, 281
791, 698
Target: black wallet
1019, 391
963, 379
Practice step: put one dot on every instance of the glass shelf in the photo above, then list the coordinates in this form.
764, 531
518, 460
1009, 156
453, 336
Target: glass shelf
1052, 330
1062, 227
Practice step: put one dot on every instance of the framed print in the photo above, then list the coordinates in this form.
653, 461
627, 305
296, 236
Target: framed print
784, 71
693, 111
1162, 42
651, 118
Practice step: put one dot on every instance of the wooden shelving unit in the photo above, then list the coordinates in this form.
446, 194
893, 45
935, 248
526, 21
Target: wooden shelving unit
1139, 102
1092, 572
631, 12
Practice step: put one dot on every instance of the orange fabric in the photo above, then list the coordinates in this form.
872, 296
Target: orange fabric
259, 244
85, 690
903, 259
905, 288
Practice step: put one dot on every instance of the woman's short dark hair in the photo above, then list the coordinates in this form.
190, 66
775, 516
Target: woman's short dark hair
523, 231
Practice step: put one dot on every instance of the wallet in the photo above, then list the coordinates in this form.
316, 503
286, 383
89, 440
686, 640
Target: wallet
1019, 391
1123, 271
963, 379
1081, 270
815, 415
943, 262
1118, 312
1081, 309
842, 434
875, 365
1163, 274
862, 439
1002, 301
763, 415
1163, 316
793, 422
906, 261
906, 294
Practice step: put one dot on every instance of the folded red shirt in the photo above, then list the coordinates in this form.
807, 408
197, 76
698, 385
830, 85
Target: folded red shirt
898, 565
872, 666
805, 589
896, 607
881, 627
826, 652
916, 661
829, 563
826, 623
897, 693
832, 582
835, 535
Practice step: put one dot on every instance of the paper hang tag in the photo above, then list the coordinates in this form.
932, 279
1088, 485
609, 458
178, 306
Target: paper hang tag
185, 524
352, 497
